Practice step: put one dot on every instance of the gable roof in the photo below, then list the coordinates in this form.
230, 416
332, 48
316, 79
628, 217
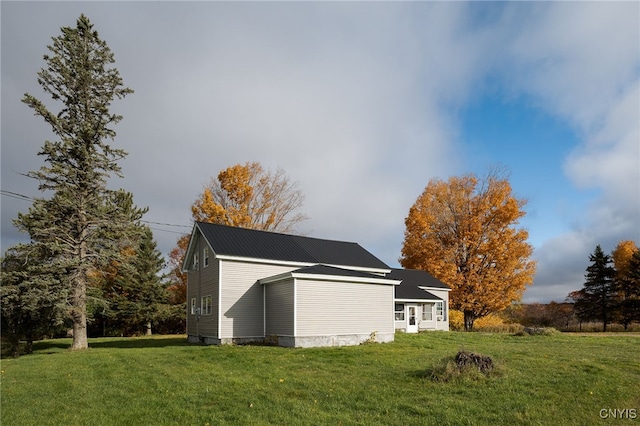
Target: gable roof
412, 282
332, 270
413, 293
418, 278
250, 243
330, 273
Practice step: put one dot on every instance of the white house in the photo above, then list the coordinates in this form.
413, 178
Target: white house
247, 285
421, 301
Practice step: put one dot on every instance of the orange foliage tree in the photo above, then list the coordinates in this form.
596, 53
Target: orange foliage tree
244, 195
177, 287
627, 286
463, 232
249, 196
622, 256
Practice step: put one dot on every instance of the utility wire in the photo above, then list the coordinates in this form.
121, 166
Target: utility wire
16, 195
164, 224
28, 198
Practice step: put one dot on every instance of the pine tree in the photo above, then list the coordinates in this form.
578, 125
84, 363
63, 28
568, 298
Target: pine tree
134, 292
599, 295
81, 226
33, 297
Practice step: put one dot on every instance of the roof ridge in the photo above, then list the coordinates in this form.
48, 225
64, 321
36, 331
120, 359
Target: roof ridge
274, 232
257, 243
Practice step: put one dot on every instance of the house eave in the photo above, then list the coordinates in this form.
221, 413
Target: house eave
377, 271
320, 277
416, 300
426, 288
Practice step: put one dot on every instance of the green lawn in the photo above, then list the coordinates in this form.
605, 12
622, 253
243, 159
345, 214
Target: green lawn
559, 379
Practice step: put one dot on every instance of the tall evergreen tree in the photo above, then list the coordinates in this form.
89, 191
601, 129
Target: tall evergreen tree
81, 225
599, 295
134, 291
33, 297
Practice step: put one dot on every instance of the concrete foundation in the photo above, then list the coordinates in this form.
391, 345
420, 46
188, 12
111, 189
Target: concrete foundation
333, 340
299, 341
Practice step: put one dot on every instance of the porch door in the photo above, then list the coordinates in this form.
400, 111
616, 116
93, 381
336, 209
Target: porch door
412, 319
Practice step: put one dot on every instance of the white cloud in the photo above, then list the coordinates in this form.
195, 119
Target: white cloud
356, 101
582, 63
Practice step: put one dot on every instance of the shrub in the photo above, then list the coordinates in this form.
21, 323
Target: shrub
537, 331
456, 320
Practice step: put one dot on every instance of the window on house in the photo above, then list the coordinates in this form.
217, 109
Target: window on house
205, 257
205, 305
193, 306
196, 262
399, 311
427, 312
441, 313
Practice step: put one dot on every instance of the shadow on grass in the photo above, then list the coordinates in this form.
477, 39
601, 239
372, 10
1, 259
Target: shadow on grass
60, 345
427, 373
139, 342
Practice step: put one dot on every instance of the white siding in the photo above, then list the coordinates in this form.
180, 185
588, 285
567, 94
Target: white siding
193, 292
208, 324
242, 297
443, 294
279, 300
427, 324
202, 282
335, 308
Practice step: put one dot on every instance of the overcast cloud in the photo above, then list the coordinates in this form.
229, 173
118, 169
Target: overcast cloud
359, 102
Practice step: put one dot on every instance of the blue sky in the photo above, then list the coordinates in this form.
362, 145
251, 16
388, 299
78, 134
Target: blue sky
361, 103
533, 145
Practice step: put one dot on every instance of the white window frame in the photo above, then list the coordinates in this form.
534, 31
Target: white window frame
399, 314
427, 308
206, 305
205, 257
196, 262
193, 306
441, 312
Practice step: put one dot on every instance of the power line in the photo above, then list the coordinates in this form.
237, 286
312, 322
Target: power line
23, 197
166, 230
164, 224
16, 195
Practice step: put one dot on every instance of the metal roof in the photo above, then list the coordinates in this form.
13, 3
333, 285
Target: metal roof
417, 277
412, 280
251, 243
333, 271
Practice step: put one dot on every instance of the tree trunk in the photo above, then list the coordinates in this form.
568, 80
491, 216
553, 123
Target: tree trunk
79, 316
468, 321
79, 304
79, 299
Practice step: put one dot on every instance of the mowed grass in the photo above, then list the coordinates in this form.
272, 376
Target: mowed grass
561, 379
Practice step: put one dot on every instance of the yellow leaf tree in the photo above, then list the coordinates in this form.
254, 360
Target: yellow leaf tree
244, 195
622, 256
248, 196
463, 231
627, 284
